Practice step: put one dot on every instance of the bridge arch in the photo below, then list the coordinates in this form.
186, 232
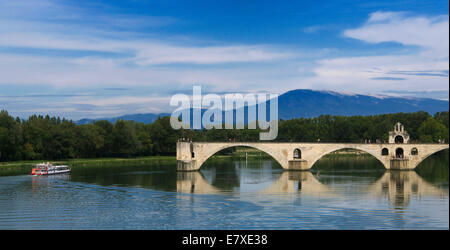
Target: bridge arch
422, 158
376, 154
208, 153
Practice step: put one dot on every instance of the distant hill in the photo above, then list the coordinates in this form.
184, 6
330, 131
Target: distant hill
311, 103
144, 118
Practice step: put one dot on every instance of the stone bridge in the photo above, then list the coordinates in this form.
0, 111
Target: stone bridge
302, 156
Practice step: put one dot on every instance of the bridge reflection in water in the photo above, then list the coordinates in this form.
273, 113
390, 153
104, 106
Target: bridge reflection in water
400, 186
299, 182
194, 182
397, 186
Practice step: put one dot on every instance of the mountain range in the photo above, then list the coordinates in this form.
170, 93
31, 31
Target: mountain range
311, 103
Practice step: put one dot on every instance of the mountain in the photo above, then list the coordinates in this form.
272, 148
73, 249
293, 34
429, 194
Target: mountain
144, 118
311, 103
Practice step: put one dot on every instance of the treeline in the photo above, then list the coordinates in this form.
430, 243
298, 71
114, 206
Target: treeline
41, 137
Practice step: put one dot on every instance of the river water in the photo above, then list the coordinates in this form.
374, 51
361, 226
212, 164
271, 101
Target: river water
230, 193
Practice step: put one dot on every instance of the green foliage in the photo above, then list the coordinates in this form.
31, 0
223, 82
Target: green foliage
10, 137
442, 117
53, 138
432, 131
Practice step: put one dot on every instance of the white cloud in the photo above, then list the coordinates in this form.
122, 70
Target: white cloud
425, 69
164, 54
380, 16
145, 52
431, 33
360, 73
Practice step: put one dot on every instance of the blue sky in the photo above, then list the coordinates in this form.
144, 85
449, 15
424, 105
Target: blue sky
87, 59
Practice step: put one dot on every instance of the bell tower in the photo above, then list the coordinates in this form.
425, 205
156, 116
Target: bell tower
399, 134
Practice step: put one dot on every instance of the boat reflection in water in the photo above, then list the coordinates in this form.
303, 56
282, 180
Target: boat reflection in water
399, 187
43, 182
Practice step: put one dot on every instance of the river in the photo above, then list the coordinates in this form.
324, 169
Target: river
231, 193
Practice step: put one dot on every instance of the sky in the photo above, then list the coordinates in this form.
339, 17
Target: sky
93, 59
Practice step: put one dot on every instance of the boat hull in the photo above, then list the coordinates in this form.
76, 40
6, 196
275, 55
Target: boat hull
48, 169
50, 172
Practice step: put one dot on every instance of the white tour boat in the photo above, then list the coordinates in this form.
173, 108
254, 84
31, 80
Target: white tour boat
48, 169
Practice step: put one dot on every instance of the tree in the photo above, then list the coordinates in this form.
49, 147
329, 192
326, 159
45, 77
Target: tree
10, 137
105, 129
89, 140
432, 131
442, 117
146, 144
164, 136
125, 141
45, 137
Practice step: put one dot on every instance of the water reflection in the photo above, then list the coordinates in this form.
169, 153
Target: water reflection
39, 183
194, 182
234, 177
288, 182
397, 186
400, 186
299, 182
253, 194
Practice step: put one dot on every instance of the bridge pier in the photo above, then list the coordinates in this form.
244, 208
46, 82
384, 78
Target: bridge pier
298, 165
187, 165
185, 157
400, 164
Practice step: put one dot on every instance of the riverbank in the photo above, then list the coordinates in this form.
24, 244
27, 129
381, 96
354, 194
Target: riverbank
24, 167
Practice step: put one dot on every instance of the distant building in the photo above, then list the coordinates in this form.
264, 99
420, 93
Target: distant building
399, 135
